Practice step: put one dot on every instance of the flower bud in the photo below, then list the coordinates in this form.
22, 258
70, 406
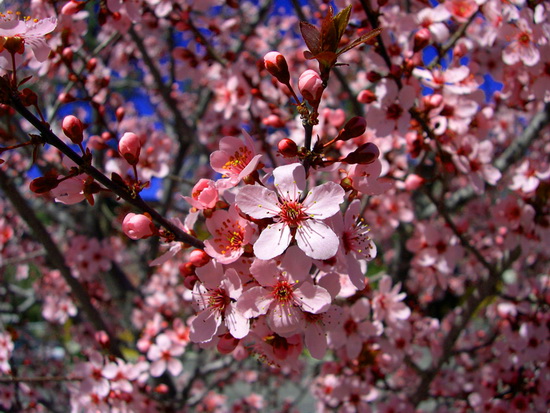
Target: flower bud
364, 154
355, 127
366, 96
138, 226
199, 258
413, 182
287, 148
73, 129
421, 39
311, 87
275, 63
129, 147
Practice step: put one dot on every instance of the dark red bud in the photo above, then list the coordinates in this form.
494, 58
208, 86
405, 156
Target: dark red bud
287, 148
276, 65
365, 154
421, 39
355, 127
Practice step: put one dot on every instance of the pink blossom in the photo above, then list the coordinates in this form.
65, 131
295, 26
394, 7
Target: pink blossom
387, 302
231, 233
284, 293
30, 31
356, 245
295, 218
366, 178
522, 46
163, 355
311, 87
234, 160
203, 195
129, 147
215, 296
138, 226
70, 191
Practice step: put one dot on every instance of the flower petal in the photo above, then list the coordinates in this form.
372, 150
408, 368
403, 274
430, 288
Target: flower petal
324, 201
273, 241
317, 240
258, 202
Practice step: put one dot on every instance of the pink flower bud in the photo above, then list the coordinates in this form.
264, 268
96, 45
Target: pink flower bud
311, 87
413, 182
73, 129
129, 147
138, 226
199, 258
421, 39
275, 63
355, 127
364, 154
287, 147
366, 96
73, 7
274, 121
204, 194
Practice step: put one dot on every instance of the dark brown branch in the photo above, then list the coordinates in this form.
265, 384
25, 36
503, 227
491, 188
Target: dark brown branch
134, 200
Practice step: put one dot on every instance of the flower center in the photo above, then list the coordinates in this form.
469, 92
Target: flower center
283, 292
239, 160
292, 213
218, 300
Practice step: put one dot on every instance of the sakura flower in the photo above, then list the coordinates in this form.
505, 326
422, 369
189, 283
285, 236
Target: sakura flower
163, 355
234, 160
295, 217
433, 19
203, 195
283, 294
393, 110
387, 302
522, 46
216, 297
356, 245
30, 32
449, 80
231, 234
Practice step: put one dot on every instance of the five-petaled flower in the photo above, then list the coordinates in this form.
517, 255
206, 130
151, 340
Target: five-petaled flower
296, 217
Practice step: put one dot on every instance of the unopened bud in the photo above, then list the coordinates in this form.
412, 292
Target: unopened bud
120, 112
67, 54
311, 87
72, 7
366, 96
373, 77
287, 148
199, 258
421, 39
138, 226
274, 121
364, 154
73, 129
413, 182
275, 63
227, 343
355, 127
129, 147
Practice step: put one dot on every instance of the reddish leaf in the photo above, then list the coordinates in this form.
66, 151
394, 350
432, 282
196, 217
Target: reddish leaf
311, 36
363, 39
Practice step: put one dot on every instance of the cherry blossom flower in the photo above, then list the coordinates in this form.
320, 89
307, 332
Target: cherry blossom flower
522, 46
215, 296
234, 160
163, 355
30, 31
284, 293
295, 218
231, 233
387, 303
356, 245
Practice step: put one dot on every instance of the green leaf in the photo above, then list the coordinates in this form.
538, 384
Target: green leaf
363, 39
341, 21
311, 36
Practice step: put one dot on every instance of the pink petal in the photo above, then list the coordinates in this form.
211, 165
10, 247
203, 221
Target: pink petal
204, 326
285, 319
290, 180
317, 240
237, 324
273, 241
312, 298
324, 201
254, 302
315, 340
258, 202
175, 367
